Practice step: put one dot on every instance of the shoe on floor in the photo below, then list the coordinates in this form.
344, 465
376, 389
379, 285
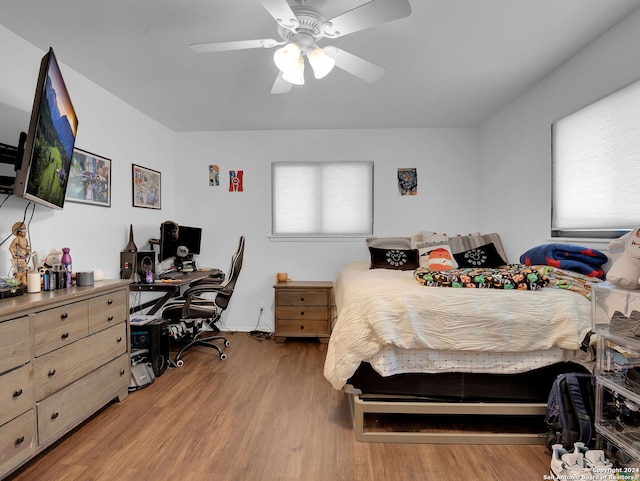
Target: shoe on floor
565, 464
593, 458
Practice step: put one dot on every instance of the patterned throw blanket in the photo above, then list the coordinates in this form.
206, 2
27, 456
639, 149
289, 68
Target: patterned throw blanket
512, 276
582, 260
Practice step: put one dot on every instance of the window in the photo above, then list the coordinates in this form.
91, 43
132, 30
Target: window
596, 168
322, 198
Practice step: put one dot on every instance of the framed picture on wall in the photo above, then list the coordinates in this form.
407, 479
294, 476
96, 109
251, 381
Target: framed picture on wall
89, 179
146, 187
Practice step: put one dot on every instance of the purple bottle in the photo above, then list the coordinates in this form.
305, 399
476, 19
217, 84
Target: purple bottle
66, 263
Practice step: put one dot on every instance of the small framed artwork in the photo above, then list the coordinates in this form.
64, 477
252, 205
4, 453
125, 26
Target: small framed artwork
408, 181
89, 179
146, 187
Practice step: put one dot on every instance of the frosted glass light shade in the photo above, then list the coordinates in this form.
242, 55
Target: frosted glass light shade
320, 62
286, 58
295, 74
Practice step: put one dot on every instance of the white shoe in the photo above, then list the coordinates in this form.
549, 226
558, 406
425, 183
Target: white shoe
593, 458
568, 465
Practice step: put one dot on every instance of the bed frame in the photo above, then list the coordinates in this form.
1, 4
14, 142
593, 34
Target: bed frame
361, 406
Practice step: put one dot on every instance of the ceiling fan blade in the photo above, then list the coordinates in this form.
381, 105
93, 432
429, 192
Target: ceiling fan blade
371, 14
237, 45
281, 86
367, 71
282, 13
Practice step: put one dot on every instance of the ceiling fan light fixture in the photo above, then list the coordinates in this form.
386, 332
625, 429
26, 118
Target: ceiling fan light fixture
320, 62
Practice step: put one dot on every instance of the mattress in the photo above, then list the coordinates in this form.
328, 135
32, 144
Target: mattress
486, 330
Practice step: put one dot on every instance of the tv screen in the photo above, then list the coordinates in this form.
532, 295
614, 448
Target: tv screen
43, 172
173, 236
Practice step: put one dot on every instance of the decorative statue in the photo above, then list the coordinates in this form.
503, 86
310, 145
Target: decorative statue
20, 252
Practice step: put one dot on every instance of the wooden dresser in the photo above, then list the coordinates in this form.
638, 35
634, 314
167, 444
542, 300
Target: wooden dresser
64, 354
303, 309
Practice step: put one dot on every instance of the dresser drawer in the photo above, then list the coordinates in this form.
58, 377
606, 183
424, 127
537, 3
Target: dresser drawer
17, 392
17, 441
302, 298
15, 343
52, 319
302, 328
63, 410
60, 337
60, 367
108, 310
303, 313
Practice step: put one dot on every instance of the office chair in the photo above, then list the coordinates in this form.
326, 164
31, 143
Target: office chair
193, 315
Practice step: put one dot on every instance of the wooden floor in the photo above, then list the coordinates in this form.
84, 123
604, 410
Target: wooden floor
265, 413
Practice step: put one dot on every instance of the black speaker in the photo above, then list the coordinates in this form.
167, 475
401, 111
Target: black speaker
153, 336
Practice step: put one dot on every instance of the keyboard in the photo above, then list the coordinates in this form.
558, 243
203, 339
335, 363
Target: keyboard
172, 275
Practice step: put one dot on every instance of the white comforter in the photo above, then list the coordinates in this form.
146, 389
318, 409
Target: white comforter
380, 307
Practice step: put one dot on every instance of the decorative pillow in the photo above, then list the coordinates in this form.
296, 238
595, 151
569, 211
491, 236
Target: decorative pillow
437, 258
465, 243
432, 237
398, 259
481, 256
389, 242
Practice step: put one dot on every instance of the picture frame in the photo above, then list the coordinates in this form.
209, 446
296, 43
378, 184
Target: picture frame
89, 179
146, 187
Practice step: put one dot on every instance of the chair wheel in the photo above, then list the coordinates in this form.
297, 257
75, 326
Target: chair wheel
227, 343
180, 363
223, 356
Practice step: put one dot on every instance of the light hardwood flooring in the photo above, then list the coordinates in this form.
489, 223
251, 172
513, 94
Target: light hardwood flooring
266, 413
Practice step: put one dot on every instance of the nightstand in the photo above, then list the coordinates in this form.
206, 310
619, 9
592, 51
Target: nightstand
303, 309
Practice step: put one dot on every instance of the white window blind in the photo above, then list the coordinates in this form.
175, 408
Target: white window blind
324, 198
596, 168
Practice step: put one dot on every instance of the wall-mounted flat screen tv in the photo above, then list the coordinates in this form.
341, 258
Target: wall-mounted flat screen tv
43, 171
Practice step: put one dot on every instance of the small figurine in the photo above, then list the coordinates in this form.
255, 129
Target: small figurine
20, 252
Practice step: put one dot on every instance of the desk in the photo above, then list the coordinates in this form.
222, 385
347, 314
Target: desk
168, 288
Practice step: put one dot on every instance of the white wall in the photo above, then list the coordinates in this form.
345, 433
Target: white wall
108, 127
446, 160
515, 145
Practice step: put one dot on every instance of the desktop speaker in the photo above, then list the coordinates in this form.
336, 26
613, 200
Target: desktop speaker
153, 336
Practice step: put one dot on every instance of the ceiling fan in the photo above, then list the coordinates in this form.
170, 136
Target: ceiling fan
301, 26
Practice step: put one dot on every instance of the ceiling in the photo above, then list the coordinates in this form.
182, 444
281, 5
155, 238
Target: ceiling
451, 63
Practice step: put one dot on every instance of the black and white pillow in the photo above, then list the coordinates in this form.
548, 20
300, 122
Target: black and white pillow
482, 256
397, 259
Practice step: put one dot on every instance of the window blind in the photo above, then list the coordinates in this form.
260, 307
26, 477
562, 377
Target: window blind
323, 198
596, 168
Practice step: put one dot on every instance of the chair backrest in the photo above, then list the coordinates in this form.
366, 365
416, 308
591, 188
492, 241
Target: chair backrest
223, 298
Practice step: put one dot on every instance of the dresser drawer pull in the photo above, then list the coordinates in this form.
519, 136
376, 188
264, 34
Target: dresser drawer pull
52, 373
110, 318
65, 335
302, 299
64, 315
302, 313
302, 328
119, 340
110, 301
54, 416
20, 440
18, 393
122, 371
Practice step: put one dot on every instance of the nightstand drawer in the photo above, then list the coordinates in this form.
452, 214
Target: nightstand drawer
302, 298
311, 313
302, 328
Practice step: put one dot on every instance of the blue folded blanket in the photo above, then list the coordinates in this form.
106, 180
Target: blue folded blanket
567, 256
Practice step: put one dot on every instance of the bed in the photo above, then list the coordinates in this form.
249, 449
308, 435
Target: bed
401, 346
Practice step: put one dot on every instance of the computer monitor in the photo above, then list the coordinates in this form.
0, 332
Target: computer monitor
179, 242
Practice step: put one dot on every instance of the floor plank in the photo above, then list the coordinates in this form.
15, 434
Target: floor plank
265, 413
